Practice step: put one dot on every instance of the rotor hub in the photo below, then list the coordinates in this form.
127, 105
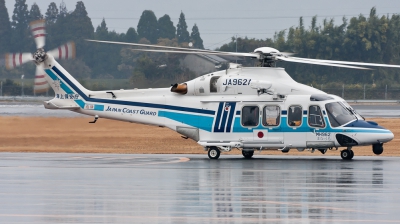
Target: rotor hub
39, 56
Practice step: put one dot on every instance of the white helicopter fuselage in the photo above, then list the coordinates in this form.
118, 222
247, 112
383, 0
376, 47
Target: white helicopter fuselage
246, 108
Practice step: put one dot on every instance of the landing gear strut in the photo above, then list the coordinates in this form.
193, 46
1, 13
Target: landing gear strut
213, 152
347, 154
247, 154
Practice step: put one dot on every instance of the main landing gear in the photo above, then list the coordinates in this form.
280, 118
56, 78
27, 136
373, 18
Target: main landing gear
347, 154
213, 152
247, 154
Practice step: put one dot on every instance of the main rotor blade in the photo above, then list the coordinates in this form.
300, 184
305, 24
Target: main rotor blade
253, 55
38, 29
13, 60
157, 46
284, 53
66, 51
319, 63
349, 62
41, 84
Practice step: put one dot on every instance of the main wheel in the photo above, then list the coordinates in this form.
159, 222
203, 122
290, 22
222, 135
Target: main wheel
347, 154
213, 153
377, 149
352, 153
247, 154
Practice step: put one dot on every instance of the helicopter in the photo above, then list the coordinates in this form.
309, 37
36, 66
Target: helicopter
245, 108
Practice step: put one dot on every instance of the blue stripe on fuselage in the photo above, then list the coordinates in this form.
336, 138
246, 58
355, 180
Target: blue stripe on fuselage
198, 121
126, 103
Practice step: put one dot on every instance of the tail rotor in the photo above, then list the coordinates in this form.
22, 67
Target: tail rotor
38, 29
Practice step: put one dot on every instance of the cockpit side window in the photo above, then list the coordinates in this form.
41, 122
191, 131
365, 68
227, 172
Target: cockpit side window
271, 116
213, 84
315, 118
250, 116
338, 114
294, 117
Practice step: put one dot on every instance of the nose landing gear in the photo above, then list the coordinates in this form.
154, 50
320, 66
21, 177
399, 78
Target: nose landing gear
347, 154
377, 148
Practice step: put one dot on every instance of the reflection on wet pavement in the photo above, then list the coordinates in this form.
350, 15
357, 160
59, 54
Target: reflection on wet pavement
81, 188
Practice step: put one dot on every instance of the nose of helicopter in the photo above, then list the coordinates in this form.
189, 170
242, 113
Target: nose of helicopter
388, 136
372, 132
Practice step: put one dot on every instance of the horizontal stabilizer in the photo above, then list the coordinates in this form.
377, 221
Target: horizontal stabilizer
51, 105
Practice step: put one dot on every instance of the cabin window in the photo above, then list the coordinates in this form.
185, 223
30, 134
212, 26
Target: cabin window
271, 116
315, 118
294, 116
250, 116
213, 84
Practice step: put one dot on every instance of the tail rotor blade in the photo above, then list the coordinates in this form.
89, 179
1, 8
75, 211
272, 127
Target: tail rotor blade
41, 85
13, 60
66, 51
38, 29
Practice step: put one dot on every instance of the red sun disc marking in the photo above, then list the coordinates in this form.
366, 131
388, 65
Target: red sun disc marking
260, 134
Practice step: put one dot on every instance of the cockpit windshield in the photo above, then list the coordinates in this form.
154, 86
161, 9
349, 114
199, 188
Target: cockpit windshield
353, 111
338, 114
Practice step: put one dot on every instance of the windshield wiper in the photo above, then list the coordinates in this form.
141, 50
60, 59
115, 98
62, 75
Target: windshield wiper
352, 111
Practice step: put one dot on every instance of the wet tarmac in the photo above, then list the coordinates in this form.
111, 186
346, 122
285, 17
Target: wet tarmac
109, 188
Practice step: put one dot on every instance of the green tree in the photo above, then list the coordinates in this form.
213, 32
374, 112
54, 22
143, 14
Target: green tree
63, 10
51, 28
34, 13
5, 28
59, 32
147, 26
105, 52
181, 31
20, 26
195, 38
51, 14
166, 28
102, 31
131, 35
146, 67
79, 27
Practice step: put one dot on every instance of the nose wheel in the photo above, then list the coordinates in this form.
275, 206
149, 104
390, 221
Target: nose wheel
347, 154
377, 149
213, 152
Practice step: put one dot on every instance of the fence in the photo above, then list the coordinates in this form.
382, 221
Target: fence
367, 92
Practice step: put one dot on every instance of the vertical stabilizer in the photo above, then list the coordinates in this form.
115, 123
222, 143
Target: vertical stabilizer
69, 93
